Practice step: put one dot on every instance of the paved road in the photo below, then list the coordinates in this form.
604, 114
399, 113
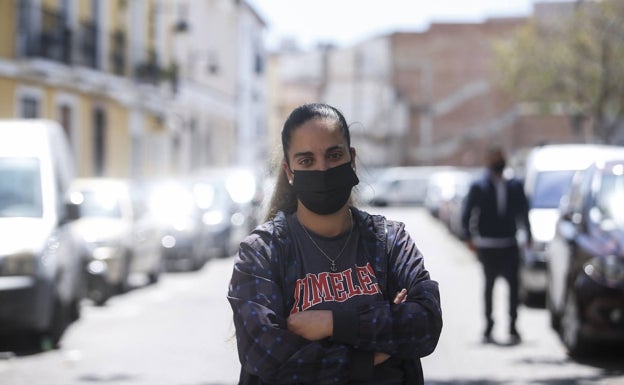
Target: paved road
460, 357
179, 332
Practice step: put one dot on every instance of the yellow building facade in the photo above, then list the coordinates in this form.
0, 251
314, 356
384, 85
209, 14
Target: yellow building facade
94, 66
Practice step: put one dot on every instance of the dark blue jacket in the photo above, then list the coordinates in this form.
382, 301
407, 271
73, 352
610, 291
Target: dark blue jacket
260, 294
480, 215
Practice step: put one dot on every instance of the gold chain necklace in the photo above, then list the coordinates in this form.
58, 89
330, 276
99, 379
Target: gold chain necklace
333, 267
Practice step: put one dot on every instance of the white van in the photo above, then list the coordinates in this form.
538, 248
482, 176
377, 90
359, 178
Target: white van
41, 279
549, 171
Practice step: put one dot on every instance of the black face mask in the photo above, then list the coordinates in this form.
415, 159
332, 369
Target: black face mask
325, 192
498, 166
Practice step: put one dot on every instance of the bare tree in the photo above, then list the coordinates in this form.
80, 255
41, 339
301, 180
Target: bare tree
572, 60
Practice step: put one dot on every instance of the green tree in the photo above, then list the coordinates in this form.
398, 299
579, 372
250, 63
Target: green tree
573, 61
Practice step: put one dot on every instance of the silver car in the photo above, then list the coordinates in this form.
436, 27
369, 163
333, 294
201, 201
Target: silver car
119, 239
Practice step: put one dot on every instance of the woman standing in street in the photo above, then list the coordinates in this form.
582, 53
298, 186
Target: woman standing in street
322, 292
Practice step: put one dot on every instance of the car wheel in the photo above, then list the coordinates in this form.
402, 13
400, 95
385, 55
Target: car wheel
100, 297
124, 285
198, 263
75, 309
555, 316
100, 290
50, 338
154, 275
571, 326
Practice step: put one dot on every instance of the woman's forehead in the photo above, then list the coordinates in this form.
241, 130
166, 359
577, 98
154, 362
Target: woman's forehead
317, 133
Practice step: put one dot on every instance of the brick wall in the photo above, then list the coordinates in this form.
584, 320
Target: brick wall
449, 73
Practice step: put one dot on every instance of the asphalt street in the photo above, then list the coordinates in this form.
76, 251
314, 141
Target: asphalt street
179, 332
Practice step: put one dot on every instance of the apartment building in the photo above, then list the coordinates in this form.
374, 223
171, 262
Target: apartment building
143, 88
219, 45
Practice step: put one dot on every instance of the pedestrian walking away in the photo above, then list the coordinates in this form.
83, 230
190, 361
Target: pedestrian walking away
323, 292
494, 209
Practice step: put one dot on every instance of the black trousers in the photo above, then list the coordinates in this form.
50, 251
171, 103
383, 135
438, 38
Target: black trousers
502, 262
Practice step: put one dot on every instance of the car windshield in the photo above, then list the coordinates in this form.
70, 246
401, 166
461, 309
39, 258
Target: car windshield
99, 203
550, 187
20, 188
610, 197
206, 195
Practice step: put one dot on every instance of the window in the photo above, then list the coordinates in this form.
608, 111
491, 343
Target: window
28, 102
99, 144
20, 188
65, 114
102, 203
550, 187
258, 64
609, 198
29, 107
213, 64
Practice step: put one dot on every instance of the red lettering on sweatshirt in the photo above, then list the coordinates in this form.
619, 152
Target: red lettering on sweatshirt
314, 289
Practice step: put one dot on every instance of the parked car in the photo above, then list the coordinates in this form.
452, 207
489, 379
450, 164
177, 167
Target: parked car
399, 186
440, 186
450, 208
176, 214
200, 218
245, 188
548, 175
444, 186
41, 281
226, 218
119, 239
585, 262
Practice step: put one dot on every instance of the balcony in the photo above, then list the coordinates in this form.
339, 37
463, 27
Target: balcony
51, 41
87, 45
148, 71
152, 72
45, 33
118, 53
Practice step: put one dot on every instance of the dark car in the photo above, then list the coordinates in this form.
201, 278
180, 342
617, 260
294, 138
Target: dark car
585, 264
548, 174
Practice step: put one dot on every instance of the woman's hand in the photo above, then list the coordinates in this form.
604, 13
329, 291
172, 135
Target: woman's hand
379, 358
312, 325
400, 297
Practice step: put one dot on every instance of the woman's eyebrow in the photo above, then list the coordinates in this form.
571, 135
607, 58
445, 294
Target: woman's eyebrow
303, 154
310, 153
334, 148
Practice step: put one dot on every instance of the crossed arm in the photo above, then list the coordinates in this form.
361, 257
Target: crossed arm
314, 325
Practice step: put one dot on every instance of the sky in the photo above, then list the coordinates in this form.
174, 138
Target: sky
345, 22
